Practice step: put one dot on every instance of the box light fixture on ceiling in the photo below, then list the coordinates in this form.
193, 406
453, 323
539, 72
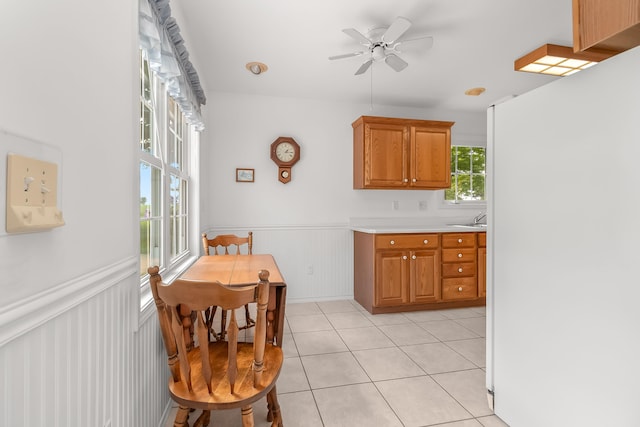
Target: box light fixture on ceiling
559, 60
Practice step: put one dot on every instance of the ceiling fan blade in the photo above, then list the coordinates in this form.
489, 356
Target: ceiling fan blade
395, 62
357, 36
418, 44
346, 55
396, 30
364, 67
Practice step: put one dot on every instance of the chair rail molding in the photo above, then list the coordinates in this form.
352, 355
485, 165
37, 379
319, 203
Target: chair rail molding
22, 316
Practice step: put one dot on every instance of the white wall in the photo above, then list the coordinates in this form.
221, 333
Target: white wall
563, 251
67, 82
240, 130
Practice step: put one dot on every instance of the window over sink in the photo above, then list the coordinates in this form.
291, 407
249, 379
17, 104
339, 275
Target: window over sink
467, 175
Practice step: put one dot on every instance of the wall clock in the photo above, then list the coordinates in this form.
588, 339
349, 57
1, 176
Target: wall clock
285, 152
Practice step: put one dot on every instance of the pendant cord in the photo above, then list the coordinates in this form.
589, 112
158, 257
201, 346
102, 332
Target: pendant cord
371, 90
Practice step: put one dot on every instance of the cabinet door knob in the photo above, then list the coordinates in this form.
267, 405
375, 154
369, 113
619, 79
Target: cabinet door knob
459, 240
425, 241
413, 257
393, 242
459, 288
406, 180
414, 180
459, 255
460, 270
404, 257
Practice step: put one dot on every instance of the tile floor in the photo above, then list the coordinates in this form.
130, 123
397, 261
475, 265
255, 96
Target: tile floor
346, 367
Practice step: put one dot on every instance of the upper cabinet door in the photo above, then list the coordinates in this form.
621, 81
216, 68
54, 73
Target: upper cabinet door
385, 155
430, 157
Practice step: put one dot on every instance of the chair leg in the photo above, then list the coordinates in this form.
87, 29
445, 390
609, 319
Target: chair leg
203, 420
223, 324
181, 417
247, 416
250, 321
269, 406
210, 314
274, 415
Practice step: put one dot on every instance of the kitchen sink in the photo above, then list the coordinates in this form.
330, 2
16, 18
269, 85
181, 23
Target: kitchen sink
482, 226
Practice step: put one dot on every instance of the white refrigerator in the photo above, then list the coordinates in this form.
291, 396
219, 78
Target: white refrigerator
563, 187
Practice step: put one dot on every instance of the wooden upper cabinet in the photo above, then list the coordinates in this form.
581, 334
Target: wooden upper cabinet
393, 153
385, 146
430, 157
612, 25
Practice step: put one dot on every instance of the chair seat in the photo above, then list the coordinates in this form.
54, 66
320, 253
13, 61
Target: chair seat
221, 397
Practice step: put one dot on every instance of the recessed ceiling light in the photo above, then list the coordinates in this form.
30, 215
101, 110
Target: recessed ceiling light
474, 91
257, 67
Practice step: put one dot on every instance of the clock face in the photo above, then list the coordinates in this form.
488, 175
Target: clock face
285, 152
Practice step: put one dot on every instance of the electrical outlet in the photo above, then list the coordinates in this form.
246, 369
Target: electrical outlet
395, 205
422, 205
32, 194
310, 269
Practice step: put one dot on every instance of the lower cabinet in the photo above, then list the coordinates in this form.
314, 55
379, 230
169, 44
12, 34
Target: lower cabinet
460, 271
401, 272
406, 277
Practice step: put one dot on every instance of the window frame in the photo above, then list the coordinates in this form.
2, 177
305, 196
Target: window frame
171, 266
456, 204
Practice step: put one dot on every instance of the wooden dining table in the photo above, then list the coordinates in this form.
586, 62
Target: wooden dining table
242, 270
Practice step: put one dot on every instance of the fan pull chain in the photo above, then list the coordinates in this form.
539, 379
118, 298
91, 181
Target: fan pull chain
371, 90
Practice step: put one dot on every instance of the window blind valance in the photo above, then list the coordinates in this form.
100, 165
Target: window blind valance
169, 59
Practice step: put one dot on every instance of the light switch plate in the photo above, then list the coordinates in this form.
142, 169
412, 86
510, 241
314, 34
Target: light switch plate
32, 195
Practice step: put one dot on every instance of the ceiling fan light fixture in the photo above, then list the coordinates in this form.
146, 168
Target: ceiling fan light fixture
256, 67
381, 44
558, 60
377, 52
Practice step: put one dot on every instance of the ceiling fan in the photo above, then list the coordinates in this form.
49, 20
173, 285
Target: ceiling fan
385, 44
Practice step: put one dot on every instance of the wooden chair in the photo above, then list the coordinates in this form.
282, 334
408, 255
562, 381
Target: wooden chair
226, 241
220, 374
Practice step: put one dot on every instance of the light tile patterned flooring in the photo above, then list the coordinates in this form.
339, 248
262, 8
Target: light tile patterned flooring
346, 367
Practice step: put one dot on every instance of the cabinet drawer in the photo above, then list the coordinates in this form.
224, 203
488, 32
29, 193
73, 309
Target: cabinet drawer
482, 240
462, 288
458, 240
459, 255
458, 269
406, 241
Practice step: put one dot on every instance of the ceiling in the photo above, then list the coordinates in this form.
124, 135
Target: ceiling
475, 45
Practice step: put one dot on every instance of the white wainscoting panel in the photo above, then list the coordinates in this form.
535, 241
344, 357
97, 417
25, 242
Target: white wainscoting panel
81, 363
316, 261
75, 369
152, 374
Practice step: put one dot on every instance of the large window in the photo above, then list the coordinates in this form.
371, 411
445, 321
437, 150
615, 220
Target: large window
467, 174
164, 175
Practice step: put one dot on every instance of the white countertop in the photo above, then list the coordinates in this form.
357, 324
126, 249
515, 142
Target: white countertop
395, 229
413, 225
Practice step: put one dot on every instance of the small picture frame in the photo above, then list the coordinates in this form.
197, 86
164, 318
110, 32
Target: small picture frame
244, 175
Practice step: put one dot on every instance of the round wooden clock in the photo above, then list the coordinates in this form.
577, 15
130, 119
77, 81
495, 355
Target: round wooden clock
285, 152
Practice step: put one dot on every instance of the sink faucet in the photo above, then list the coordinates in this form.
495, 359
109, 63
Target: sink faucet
479, 217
